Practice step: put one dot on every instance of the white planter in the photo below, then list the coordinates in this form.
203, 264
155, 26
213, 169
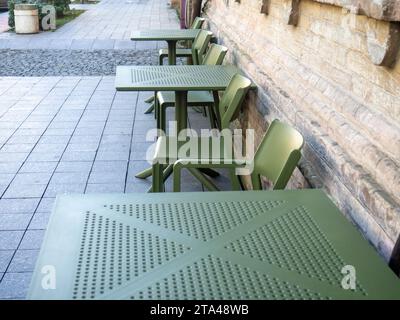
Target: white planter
26, 18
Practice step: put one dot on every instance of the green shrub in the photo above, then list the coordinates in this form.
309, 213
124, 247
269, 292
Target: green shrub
61, 7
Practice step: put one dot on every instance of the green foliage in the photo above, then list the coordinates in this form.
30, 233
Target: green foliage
61, 7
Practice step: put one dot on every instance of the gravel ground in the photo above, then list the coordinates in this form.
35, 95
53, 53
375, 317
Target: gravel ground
70, 62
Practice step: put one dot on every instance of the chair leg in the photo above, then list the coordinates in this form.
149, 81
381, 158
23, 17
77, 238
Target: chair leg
256, 182
149, 109
204, 181
157, 184
157, 114
167, 172
163, 118
176, 179
212, 117
149, 99
144, 174
235, 182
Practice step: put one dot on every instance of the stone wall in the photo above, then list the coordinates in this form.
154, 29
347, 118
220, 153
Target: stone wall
320, 73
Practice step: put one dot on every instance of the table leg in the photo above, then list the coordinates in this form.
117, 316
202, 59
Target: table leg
216, 108
181, 119
181, 110
172, 52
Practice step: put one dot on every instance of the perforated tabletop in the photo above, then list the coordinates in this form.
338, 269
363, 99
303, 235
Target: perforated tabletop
210, 245
165, 34
173, 78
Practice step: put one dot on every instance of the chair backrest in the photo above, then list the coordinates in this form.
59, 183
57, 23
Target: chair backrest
200, 45
232, 99
215, 55
277, 156
197, 23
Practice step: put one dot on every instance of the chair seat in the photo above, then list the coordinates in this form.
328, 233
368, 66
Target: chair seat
180, 52
168, 149
195, 98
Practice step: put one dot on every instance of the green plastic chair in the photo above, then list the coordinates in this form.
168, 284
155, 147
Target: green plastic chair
276, 158
197, 23
187, 52
166, 99
227, 110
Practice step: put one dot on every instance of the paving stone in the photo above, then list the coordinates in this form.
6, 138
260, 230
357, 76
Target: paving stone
10, 167
5, 259
74, 166
5, 178
108, 166
86, 138
108, 177
62, 124
44, 156
78, 156
32, 239
82, 147
10, 239
20, 147
124, 44
107, 156
32, 178
29, 132
95, 131
69, 178
39, 167
39, 220
116, 139
105, 188
8, 206
13, 156
49, 148
24, 191
100, 44
56, 189
60, 44
23, 261
45, 205
81, 44
14, 221
55, 139
142, 150
116, 130
15, 285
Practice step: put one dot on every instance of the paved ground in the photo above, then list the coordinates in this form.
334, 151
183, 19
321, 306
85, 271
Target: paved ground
65, 134
3, 21
71, 133
106, 25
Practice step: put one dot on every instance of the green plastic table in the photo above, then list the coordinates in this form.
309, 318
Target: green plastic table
170, 36
206, 245
180, 79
